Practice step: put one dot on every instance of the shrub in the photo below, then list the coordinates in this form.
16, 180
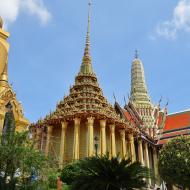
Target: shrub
70, 172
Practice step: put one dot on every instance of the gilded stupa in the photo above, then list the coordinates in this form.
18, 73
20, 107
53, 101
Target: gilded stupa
6, 92
140, 100
139, 93
83, 117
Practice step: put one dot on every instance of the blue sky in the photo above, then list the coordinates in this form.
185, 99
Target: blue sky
47, 44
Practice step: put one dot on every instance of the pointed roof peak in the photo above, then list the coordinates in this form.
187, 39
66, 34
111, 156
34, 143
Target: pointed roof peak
136, 54
86, 67
87, 47
136, 57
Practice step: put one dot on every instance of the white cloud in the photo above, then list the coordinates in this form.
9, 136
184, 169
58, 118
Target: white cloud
10, 9
180, 21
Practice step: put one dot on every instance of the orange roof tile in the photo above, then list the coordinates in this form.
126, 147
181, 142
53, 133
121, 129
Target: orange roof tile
129, 118
170, 136
176, 124
176, 121
176, 133
127, 115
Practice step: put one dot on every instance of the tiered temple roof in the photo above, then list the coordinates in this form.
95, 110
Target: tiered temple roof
86, 97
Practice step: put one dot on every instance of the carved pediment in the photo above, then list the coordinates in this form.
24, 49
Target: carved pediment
6, 96
9, 96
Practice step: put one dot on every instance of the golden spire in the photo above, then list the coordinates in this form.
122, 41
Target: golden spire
86, 67
139, 92
1, 22
4, 47
87, 49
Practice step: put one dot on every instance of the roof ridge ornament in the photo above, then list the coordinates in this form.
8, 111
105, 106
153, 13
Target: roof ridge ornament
167, 103
114, 97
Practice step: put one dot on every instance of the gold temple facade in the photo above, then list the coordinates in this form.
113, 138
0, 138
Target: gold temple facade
84, 123
6, 92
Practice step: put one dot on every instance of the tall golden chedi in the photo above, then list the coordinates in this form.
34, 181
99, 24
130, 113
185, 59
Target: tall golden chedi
82, 117
6, 92
141, 101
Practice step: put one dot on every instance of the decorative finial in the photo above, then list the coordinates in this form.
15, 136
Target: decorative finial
167, 103
160, 101
90, 3
88, 29
114, 97
136, 54
86, 67
125, 101
1, 22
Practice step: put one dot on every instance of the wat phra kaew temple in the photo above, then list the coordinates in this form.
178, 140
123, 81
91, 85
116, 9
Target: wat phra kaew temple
84, 123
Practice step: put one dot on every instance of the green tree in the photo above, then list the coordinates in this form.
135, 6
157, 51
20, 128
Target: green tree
174, 162
70, 172
103, 173
19, 161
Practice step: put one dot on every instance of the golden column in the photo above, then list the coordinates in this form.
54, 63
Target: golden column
76, 138
38, 138
155, 161
48, 139
103, 137
127, 149
123, 143
140, 151
146, 156
90, 136
62, 144
112, 139
132, 147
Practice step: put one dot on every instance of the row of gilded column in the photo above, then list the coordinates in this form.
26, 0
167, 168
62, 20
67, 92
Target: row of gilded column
90, 144
143, 154
144, 157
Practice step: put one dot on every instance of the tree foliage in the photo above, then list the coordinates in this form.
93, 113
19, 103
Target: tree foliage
103, 173
174, 162
19, 161
70, 172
